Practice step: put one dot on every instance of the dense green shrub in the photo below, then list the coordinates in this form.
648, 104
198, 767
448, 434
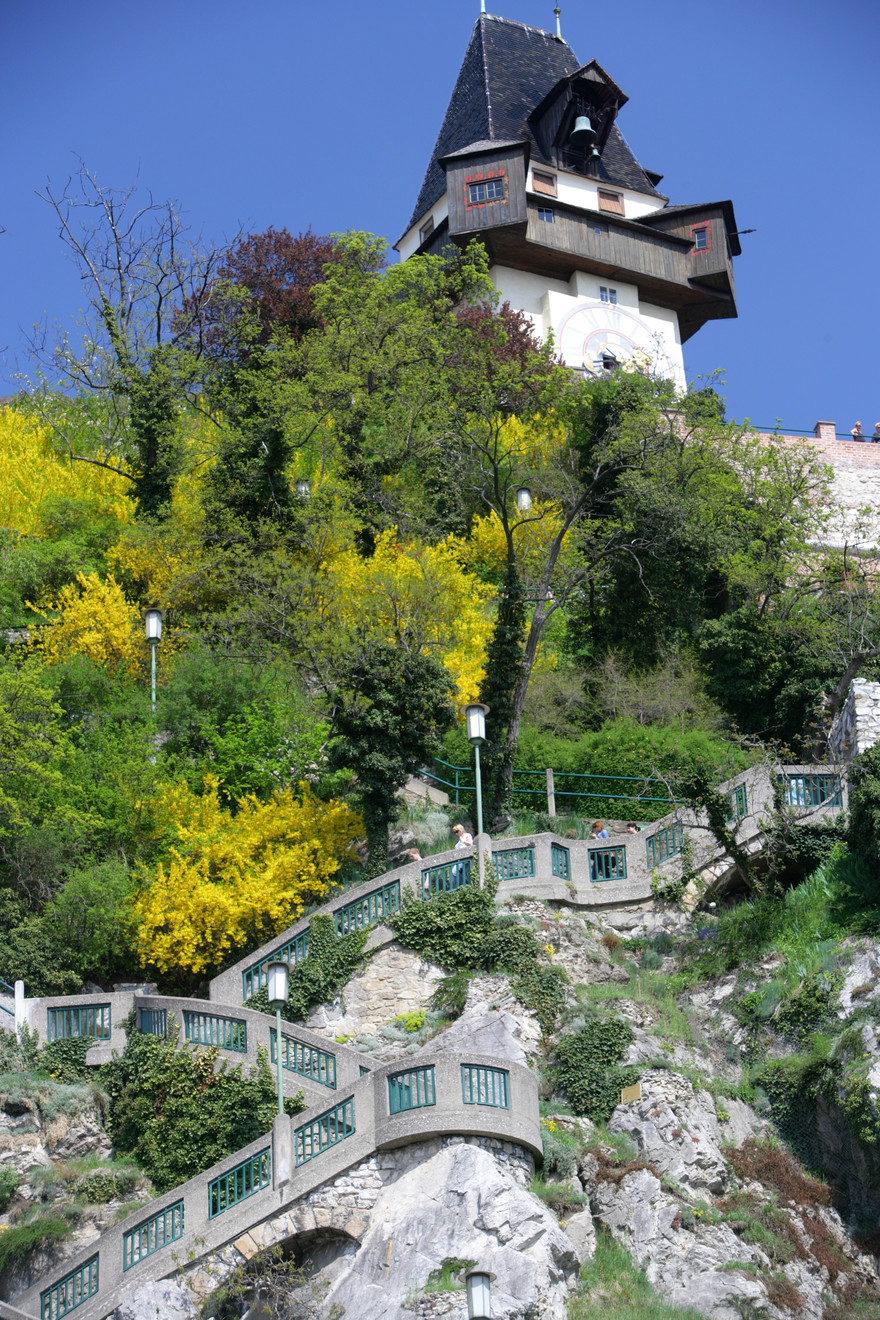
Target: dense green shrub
40, 1233
450, 995
65, 1060
8, 1185
176, 1114
544, 989
452, 929
587, 1067
620, 748
331, 963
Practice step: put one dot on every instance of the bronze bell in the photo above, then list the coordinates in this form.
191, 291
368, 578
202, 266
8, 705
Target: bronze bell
583, 134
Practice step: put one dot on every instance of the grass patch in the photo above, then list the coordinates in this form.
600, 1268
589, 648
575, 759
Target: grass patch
41, 1233
613, 1288
562, 1198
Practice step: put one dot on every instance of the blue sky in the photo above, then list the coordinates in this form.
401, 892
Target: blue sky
297, 113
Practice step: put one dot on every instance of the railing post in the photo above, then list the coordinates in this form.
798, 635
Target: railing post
21, 1015
456, 785
551, 793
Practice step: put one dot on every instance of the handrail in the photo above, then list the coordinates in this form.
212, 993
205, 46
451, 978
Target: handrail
470, 1094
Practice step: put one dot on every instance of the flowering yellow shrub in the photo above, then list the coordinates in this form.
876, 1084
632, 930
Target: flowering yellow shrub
421, 596
236, 879
486, 548
31, 472
94, 619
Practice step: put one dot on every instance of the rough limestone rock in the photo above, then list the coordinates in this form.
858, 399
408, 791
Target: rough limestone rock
493, 1022
862, 982
394, 981
459, 1203
684, 1266
581, 1229
676, 1129
165, 1300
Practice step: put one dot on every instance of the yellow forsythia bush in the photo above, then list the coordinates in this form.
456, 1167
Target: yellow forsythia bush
31, 472
231, 880
420, 595
95, 619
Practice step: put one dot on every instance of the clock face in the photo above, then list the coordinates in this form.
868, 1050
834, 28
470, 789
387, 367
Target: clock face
598, 336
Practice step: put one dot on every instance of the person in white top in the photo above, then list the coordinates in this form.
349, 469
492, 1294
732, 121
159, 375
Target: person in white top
462, 838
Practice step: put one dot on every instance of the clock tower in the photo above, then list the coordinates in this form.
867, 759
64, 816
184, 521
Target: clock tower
530, 159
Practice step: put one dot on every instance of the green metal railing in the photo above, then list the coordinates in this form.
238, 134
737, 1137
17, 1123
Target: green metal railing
70, 1292
245, 1180
152, 1235
560, 861
305, 1060
323, 1132
484, 1086
154, 1021
6, 989
738, 804
514, 863
369, 909
84, 1020
607, 864
665, 844
613, 788
211, 1029
411, 1090
811, 790
293, 952
446, 878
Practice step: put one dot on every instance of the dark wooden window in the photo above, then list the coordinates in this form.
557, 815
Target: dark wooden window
610, 201
427, 229
547, 214
544, 183
490, 191
701, 239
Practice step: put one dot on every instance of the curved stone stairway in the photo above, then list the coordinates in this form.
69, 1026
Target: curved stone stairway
356, 1107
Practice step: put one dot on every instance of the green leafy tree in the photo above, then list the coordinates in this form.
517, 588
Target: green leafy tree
392, 709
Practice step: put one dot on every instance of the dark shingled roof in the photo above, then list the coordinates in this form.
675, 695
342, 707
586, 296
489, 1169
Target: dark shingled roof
508, 69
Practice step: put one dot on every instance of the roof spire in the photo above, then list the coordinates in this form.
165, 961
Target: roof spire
482, 6
557, 11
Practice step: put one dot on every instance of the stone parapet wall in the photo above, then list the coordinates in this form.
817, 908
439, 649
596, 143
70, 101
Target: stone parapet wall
374, 1129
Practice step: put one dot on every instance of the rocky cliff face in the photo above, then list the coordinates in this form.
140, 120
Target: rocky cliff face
687, 1176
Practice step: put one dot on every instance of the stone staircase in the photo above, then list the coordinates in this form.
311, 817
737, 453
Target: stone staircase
357, 1108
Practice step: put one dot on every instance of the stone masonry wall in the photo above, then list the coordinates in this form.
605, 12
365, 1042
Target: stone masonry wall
857, 726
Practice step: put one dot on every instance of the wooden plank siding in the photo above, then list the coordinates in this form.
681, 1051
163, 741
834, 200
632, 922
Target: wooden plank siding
599, 237
509, 210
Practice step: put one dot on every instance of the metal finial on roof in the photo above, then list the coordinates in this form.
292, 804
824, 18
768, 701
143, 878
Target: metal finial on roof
557, 11
482, 6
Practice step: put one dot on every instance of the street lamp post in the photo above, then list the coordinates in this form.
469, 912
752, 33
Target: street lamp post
475, 719
153, 626
279, 984
479, 1294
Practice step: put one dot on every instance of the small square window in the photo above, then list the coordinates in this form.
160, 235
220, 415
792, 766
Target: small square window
547, 214
607, 295
490, 191
427, 229
701, 239
544, 183
610, 201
